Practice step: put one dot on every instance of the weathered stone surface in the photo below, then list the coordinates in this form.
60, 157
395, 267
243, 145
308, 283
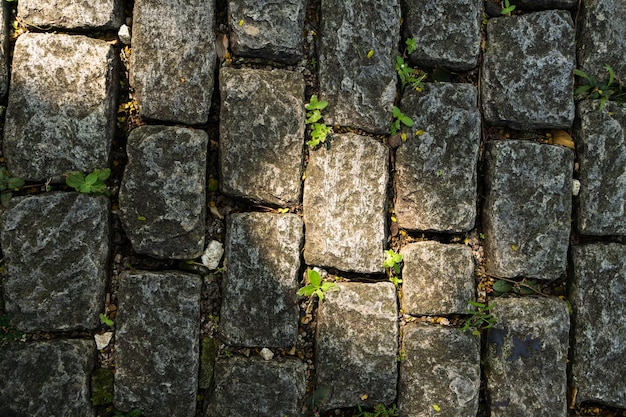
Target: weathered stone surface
71, 14
448, 34
4, 49
358, 356
163, 193
526, 358
527, 76
437, 279
602, 37
157, 343
259, 303
527, 208
345, 204
262, 134
441, 367
173, 60
61, 111
435, 173
598, 297
360, 90
246, 386
601, 149
46, 378
273, 29
56, 249
544, 4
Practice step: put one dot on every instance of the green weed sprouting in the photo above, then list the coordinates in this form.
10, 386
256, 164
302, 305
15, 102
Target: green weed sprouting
314, 117
91, 184
611, 88
316, 286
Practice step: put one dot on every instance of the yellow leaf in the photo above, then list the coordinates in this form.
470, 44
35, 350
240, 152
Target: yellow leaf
283, 210
364, 397
436, 408
403, 137
141, 218
241, 22
514, 248
370, 53
393, 219
419, 132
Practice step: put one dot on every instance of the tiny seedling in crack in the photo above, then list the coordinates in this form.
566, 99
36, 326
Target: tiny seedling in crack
507, 9
105, 320
392, 265
319, 130
7, 185
91, 184
316, 286
479, 319
399, 119
608, 89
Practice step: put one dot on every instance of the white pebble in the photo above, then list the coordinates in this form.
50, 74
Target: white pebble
213, 254
103, 340
124, 34
266, 354
575, 187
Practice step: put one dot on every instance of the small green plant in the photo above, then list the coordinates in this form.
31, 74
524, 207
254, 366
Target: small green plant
399, 119
314, 117
105, 320
7, 185
611, 88
91, 184
479, 319
411, 45
316, 286
507, 9
408, 75
379, 411
392, 265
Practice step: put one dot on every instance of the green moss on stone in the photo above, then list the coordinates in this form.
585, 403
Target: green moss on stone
102, 387
207, 362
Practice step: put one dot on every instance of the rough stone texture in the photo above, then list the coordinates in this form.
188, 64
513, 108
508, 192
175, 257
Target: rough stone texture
526, 358
527, 76
598, 297
602, 37
46, 378
448, 34
157, 343
173, 60
345, 204
358, 356
437, 279
163, 193
527, 209
543, 4
4, 49
61, 109
601, 149
360, 90
271, 29
263, 258
72, 14
262, 134
436, 172
56, 249
248, 386
442, 367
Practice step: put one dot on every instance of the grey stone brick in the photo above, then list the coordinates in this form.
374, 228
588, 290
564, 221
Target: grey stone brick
72, 14
345, 204
262, 134
527, 209
157, 343
598, 297
163, 193
358, 356
259, 303
435, 174
56, 249
61, 109
173, 60
527, 73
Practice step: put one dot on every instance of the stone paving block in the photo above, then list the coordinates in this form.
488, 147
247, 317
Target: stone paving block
527, 209
262, 134
163, 193
259, 302
526, 359
61, 108
435, 174
437, 279
441, 367
448, 33
157, 343
345, 204
602, 37
601, 149
5, 59
272, 29
598, 297
358, 356
72, 14
173, 61
247, 386
48, 378
527, 74
56, 249
360, 90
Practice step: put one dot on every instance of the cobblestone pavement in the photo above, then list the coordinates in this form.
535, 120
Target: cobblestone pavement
174, 293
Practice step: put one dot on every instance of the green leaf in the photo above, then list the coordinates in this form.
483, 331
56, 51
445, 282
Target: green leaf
502, 287
91, 178
319, 294
14, 183
313, 116
74, 179
103, 174
314, 277
105, 320
397, 113
5, 197
582, 89
407, 121
581, 74
84, 188
306, 291
411, 45
611, 75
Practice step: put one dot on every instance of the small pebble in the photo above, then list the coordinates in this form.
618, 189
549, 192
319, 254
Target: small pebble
266, 354
103, 340
124, 34
213, 254
575, 187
